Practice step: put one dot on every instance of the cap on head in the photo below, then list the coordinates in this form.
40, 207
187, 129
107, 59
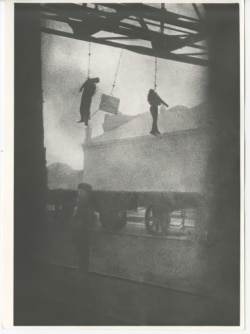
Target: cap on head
93, 80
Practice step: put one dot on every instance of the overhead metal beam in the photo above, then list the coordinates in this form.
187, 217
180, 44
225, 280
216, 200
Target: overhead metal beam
134, 48
125, 29
87, 22
158, 40
142, 7
156, 14
127, 10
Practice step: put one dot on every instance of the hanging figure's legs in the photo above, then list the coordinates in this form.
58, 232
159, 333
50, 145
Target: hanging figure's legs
87, 116
155, 121
154, 113
81, 113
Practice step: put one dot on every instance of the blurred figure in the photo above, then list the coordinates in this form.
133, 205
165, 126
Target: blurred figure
82, 221
154, 100
88, 88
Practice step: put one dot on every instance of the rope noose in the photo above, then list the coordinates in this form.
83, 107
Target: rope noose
155, 84
89, 54
114, 83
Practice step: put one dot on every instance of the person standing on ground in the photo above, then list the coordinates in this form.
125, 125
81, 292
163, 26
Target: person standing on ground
82, 223
154, 100
88, 88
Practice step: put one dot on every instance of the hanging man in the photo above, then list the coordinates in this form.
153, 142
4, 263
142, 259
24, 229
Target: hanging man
154, 101
89, 88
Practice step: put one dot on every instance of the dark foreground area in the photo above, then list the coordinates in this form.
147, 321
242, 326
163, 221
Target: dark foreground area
58, 297
134, 279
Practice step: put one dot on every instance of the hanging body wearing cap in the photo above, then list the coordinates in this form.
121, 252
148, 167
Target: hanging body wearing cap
89, 88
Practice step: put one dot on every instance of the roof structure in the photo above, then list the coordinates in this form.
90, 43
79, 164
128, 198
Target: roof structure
148, 29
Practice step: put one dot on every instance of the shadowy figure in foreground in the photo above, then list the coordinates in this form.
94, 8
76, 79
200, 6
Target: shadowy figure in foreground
88, 88
154, 100
82, 222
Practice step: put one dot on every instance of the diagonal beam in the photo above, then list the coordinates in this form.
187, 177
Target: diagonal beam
158, 24
156, 14
200, 47
194, 54
197, 11
143, 7
189, 41
118, 38
94, 18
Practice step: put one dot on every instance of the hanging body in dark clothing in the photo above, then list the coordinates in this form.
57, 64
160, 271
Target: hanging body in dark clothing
89, 88
154, 101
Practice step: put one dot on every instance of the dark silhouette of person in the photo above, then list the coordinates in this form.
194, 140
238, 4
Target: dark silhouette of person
88, 88
82, 222
154, 100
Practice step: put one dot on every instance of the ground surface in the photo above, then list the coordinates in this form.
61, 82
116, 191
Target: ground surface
135, 279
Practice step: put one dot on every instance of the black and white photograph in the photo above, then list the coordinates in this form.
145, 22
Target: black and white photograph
128, 164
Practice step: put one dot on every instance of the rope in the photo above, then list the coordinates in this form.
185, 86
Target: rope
163, 8
114, 83
89, 54
155, 85
94, 113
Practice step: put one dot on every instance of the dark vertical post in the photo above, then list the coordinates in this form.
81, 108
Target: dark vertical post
29, 155
223, 184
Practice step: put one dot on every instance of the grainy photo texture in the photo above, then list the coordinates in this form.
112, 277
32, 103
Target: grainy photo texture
127, 164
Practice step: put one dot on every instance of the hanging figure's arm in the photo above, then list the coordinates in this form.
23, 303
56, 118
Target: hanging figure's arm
162, 101
81, 87
165, 104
